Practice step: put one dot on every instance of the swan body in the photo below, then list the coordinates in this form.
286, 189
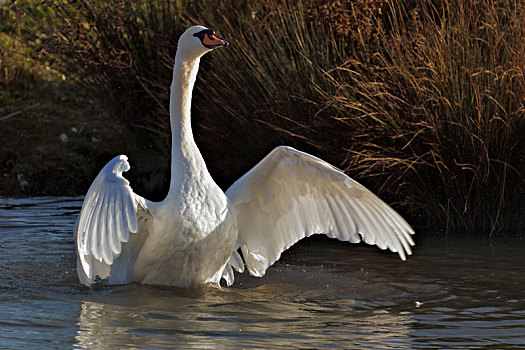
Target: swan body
193, 236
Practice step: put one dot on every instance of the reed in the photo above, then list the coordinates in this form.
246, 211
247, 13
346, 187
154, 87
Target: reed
422, 101
447, 88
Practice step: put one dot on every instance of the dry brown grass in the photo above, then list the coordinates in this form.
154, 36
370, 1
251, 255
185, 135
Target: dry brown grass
421, 100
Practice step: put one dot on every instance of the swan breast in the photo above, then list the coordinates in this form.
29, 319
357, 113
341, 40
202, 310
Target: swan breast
189, 242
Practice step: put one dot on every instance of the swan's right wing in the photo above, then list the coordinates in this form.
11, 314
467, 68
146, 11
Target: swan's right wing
290, 195
108, 216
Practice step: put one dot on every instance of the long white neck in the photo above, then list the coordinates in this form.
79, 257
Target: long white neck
187, 165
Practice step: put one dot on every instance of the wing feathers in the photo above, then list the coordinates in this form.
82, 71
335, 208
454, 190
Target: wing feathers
108, 215
114, 243
131, 215
236, 261
84, 223
290, 195
122, 229
92, 230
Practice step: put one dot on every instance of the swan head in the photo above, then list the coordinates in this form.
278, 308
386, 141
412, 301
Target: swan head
198, 40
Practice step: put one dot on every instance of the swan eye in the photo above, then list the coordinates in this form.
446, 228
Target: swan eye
203, 33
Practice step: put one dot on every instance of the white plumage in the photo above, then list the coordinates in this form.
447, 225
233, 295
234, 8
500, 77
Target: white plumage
193, 236
290, 195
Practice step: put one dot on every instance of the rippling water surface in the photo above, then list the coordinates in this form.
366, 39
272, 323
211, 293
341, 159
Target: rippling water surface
322, 293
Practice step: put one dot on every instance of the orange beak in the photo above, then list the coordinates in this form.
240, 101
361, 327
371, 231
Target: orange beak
212, 41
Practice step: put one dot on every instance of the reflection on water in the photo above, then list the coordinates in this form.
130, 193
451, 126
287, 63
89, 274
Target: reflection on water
322, 293
244, 317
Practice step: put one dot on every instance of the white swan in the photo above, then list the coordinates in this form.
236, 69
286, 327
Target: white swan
193, 235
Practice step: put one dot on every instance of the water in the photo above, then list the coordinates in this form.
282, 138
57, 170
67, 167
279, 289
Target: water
321, 294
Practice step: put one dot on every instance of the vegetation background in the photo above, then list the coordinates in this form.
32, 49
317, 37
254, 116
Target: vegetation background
423, 101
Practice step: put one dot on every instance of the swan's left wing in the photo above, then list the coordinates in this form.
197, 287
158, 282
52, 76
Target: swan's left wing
290, 195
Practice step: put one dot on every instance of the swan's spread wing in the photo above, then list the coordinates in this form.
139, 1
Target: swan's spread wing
109, 213
290, 195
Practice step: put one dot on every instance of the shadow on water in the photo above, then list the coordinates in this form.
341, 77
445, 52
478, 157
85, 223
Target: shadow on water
322, 293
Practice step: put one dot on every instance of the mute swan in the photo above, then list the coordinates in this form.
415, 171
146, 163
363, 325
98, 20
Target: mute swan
193, 236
